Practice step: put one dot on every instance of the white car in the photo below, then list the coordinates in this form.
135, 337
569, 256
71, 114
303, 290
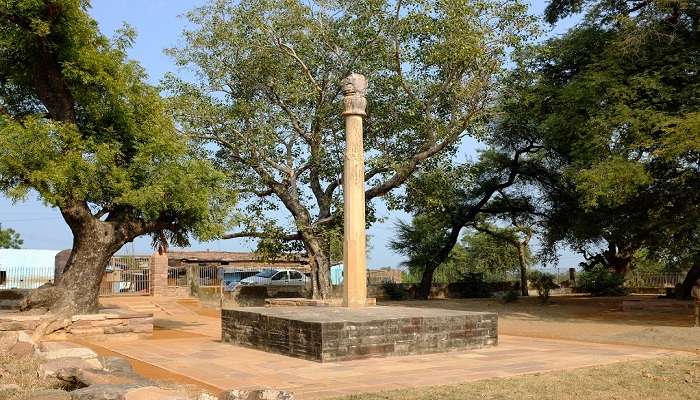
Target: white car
276, 277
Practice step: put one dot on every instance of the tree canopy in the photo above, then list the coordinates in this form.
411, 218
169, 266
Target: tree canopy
615, 103
267, 93
80, 127
9, 239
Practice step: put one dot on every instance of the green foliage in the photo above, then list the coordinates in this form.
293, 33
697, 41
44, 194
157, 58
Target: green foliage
9, 239
477, 252
616, 104
470, 285
267, 94
543, 282
78, 123
395, 291
599, 281
486, 253
510, 296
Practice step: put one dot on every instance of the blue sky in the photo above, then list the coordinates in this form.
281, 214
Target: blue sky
159, 26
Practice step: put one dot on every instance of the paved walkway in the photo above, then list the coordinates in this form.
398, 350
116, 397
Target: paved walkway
195, 351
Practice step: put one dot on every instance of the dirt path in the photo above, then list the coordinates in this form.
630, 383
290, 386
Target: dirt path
582, 318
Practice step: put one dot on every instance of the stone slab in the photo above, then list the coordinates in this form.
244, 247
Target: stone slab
337, 334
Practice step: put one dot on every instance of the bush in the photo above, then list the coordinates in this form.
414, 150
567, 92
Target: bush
395, 291
601, 282
543, 282
470, 285
510, 296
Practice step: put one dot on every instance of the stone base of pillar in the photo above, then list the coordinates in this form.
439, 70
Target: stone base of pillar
328, 334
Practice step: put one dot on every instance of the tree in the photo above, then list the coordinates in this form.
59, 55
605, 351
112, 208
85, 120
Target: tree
79, 126
459, 196
518, 235
267, 94
9, 239
614, 103
489, 251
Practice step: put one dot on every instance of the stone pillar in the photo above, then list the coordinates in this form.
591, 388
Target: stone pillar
159, 273
354, 242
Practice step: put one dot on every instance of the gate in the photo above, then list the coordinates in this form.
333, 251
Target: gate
127, 276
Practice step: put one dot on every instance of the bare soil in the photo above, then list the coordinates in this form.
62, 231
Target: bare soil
583, 318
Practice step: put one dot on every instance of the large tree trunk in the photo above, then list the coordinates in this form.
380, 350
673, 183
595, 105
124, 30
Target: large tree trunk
619, 260
690, 280
77, 289
426, 282
319, 261
79, 285
523, 269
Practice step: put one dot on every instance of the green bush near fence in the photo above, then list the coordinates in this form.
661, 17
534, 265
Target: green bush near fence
543, 282
470, 285
395, 291
601, 282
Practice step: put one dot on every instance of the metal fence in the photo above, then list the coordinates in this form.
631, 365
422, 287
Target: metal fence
127, 275
25, 277
207, 275
451, 276
178, 277
645, 280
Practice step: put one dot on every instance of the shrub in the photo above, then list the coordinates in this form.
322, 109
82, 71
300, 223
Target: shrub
543, 282
601, 282
510, 296
470, 285
395, 291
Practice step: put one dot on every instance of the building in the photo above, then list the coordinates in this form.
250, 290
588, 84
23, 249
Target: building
241, 260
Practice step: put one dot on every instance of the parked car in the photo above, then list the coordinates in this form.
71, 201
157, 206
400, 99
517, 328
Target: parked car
276, 277
233, 276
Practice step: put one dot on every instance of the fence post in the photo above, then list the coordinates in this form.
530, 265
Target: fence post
159, 273
572, 277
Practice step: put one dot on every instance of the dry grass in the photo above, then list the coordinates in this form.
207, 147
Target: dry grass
672, 378
23, 372
583, 318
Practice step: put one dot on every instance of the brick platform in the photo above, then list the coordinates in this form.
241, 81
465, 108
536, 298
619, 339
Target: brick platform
338, 334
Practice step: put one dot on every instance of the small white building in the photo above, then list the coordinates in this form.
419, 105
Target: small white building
26, 268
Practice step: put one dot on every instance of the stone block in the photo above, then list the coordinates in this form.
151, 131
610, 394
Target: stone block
7, 340
50, 368
335, 334
102, 392
55, 350
154, 393
49, 394
88, 331
22, 350
116, 329
265, 394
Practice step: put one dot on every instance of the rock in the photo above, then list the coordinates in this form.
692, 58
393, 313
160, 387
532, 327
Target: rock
57, 325
49, 394
265, 394
207, 396
155, 393
102, 392
7, 340
54, 350
22, 350
8, 388
90, 377
51, 367
117, 365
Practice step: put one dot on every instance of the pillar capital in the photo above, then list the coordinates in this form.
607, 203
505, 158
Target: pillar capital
354, 89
